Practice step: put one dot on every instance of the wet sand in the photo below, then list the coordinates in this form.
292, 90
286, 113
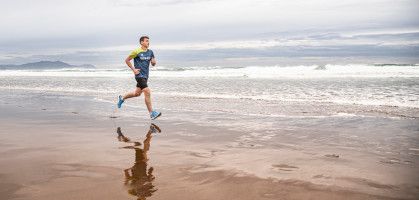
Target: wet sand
47, 152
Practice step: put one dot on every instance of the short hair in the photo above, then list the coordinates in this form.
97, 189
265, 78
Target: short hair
143, 37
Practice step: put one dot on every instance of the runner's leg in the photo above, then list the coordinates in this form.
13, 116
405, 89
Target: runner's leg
137, 92
147, 98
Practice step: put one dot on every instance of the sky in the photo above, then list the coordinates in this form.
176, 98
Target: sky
205, 32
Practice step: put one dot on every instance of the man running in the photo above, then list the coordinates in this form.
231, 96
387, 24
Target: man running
142, 57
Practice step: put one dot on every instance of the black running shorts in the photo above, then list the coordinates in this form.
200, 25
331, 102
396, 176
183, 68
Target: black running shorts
141, 82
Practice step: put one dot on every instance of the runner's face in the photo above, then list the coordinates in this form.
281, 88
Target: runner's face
145, 43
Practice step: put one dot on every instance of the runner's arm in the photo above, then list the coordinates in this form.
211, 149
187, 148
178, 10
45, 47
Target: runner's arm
153, 61
128, 62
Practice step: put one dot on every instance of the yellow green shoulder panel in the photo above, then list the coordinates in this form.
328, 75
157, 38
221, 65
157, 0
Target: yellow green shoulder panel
135, 52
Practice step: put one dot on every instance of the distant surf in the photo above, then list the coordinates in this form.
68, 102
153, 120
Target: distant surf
269, 72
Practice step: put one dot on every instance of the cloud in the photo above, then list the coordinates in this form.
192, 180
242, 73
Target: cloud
403, 45
155, 3
25, 20
51, 28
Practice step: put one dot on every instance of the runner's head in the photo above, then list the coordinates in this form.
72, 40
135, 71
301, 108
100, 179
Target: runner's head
144, 41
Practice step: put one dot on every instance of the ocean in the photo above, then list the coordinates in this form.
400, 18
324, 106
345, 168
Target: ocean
384, 89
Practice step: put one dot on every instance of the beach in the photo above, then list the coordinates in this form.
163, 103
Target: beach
300, 136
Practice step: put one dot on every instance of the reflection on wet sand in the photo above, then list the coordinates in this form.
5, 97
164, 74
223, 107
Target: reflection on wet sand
138, 178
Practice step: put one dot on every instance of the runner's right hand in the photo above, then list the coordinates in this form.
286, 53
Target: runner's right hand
136, 71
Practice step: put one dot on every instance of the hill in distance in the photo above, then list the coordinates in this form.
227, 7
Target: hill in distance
46, 65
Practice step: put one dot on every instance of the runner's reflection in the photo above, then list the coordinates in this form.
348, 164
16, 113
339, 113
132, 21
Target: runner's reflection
139, 178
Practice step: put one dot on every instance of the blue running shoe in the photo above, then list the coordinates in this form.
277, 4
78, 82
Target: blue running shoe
154, 114
120, 101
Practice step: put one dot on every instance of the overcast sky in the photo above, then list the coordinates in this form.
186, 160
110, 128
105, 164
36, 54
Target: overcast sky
85, 31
